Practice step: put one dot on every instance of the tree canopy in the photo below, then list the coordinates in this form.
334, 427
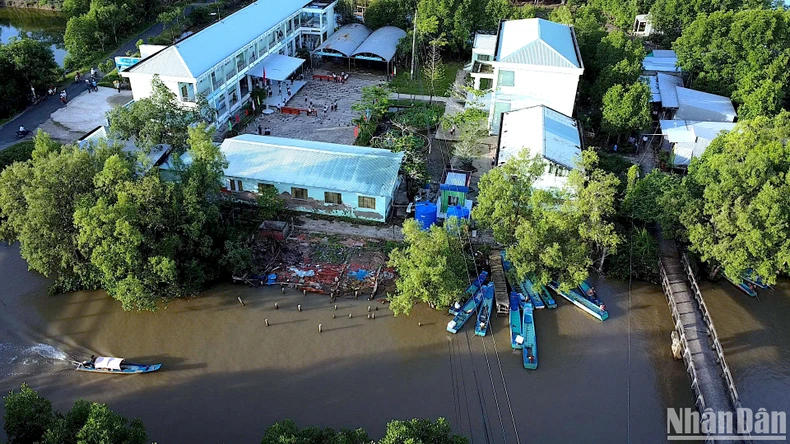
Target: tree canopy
742, 55
626, 108
29, 418
737, 210
431, 268
24, 62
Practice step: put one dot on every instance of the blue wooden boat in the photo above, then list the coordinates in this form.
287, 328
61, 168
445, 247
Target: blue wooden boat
467, 310
470, 291
597, 311
591, 295
105, 364
542, 293
530, 345
516, 284
745, 287
486, 308
515, 320
753, 278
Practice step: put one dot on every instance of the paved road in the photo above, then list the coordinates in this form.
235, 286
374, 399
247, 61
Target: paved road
34, 116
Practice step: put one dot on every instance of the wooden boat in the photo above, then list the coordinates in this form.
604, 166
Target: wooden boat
470, 291
486, 308
591, 295
105, 364
597, 311
744, 286
753, 278
517, 285
542, 293
467, 310
515, 320
530, 346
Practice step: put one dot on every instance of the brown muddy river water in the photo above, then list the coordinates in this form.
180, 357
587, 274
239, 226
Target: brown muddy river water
226, 376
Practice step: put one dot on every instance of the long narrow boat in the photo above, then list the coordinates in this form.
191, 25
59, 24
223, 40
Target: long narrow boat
591, 295
516, 339
542, 293
517, 285
486, 308
470, 291
115, 365
530, 346
467, 310
578, 300
753, 278
743, 286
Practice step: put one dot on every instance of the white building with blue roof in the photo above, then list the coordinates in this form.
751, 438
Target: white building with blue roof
221, 61
535, 62
545, 133
318, 177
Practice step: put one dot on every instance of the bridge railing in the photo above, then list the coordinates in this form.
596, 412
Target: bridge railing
714, 335
699, 399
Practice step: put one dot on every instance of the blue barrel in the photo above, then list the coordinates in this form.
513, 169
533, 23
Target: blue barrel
458, 211
425, 214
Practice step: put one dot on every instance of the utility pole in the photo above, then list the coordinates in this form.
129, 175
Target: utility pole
413, 45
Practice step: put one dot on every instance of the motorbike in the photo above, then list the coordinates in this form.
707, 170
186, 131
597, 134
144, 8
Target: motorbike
21, 134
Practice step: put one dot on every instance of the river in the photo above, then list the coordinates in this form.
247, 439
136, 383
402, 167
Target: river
226, 376
45, 26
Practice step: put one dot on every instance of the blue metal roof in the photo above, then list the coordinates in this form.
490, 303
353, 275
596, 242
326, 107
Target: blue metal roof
537, 42
329, 166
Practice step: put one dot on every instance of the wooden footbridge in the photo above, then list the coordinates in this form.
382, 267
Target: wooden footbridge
710, 377
500, 287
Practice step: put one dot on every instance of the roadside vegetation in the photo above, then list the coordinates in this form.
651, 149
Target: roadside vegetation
18, 152
25, 62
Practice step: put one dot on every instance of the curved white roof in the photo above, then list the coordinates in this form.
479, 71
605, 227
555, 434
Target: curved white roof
382, 43
346, 39
108, 363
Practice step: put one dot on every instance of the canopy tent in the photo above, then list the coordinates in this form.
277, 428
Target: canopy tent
278, 67
381, 45
344, 41
108, 363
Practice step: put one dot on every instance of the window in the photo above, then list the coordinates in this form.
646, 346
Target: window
367, 202
484, 57
333, 198
238, 183
232, 185
452, 200
262, 187
298, 193
507, 78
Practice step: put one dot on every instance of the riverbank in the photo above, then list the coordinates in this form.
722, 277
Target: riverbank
29, 4
357, 373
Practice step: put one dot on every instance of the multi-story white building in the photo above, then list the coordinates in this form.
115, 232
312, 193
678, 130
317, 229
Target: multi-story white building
221, 61
529, 62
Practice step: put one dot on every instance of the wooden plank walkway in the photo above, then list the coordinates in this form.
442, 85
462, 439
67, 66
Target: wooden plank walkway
701, 359
498, 278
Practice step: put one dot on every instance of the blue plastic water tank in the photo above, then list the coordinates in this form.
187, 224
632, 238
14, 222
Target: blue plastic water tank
458, 211
425, 214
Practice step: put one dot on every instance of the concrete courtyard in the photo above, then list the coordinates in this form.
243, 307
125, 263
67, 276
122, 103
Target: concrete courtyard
83, 113
332, 126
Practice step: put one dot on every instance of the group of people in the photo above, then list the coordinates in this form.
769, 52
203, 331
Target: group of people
264, 131
340, 78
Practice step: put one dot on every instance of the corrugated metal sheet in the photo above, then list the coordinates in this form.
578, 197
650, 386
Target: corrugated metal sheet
652, 82
383, 43
661, 60
702, 106
329, 166
485, 43
537, 42
166, 63
667, 88
346, 39
543, 132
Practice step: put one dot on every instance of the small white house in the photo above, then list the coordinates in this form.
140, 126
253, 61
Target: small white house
688, 139
544, 132
534, 62
643, 26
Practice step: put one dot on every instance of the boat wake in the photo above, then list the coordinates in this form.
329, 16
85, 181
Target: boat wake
33, 355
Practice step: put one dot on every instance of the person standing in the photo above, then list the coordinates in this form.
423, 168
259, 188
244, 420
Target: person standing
117, 85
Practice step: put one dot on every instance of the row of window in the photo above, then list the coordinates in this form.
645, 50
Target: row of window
301, 193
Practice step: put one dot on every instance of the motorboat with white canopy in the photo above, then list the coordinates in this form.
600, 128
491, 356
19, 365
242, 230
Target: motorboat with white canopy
105, 364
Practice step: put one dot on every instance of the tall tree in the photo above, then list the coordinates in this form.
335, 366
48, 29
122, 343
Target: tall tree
434, 69
752, 72
24, 63
738, 199
431, 268
287, 432
27, 416
626, 108
421, 431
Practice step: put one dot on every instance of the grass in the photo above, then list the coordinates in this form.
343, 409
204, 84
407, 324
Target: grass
18, 152
404, 85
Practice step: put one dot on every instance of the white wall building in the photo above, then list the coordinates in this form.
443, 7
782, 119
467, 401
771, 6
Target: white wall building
534, 62
216, 62
543, 132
